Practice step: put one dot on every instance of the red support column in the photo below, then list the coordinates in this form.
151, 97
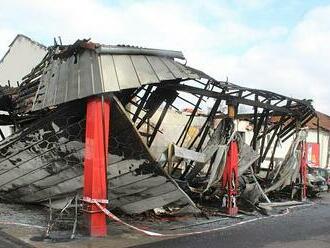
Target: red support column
230, 179
303, 171
95, 164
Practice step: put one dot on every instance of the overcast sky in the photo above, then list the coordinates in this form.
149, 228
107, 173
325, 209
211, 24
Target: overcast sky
283, 46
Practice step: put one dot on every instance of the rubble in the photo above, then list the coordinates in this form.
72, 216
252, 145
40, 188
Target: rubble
43, 158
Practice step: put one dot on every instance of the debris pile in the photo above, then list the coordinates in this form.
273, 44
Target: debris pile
162, 157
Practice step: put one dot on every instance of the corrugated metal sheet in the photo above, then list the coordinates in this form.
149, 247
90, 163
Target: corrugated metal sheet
133, 50
91, 73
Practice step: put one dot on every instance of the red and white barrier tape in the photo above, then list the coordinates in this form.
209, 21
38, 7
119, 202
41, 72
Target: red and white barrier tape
156, 234
90, 200
20, 224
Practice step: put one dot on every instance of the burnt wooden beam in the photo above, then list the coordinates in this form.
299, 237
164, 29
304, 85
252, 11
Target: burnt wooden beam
203, 131
263, 137
282, 120
270, 142
159, 122
200, 82
255, 121
154, 101
271, 162
2, 135
224, 96
212, 112
142, 102
187, 101
268, 94
292, 124
278, 102
255, 135
248, 94
235, 92
293, 131
190, 120
139, 118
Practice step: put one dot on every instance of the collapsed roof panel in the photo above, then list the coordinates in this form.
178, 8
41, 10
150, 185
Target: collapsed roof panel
145, 85
46, 161
90, 73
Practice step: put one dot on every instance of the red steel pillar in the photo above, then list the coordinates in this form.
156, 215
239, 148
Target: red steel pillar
95, 164
230, 175
230, 179
303, 170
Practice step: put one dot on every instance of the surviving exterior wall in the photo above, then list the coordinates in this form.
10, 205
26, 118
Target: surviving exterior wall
22, 56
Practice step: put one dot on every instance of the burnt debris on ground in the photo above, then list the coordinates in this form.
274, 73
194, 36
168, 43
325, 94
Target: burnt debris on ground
171, 130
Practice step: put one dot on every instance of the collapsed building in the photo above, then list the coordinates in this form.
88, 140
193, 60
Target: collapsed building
151, 164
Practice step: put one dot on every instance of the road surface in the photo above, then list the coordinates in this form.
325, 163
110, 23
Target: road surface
7, 241
303, 228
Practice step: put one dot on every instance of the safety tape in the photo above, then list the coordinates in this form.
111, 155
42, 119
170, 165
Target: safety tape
20, 224
156, 234
90, 200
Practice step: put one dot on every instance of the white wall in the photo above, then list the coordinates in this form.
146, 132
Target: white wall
324, 145
22, 56
19, 61
282, 148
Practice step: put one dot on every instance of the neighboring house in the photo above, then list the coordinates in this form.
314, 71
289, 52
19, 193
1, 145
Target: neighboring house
317, 142
23, 54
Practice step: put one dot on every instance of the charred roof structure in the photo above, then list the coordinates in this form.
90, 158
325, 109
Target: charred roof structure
44, 157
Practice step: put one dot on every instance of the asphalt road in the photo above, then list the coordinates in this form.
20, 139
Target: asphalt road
301, 228
307, 227
7, 241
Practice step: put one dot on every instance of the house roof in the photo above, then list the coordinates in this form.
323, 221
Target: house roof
324, 121
26, 38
